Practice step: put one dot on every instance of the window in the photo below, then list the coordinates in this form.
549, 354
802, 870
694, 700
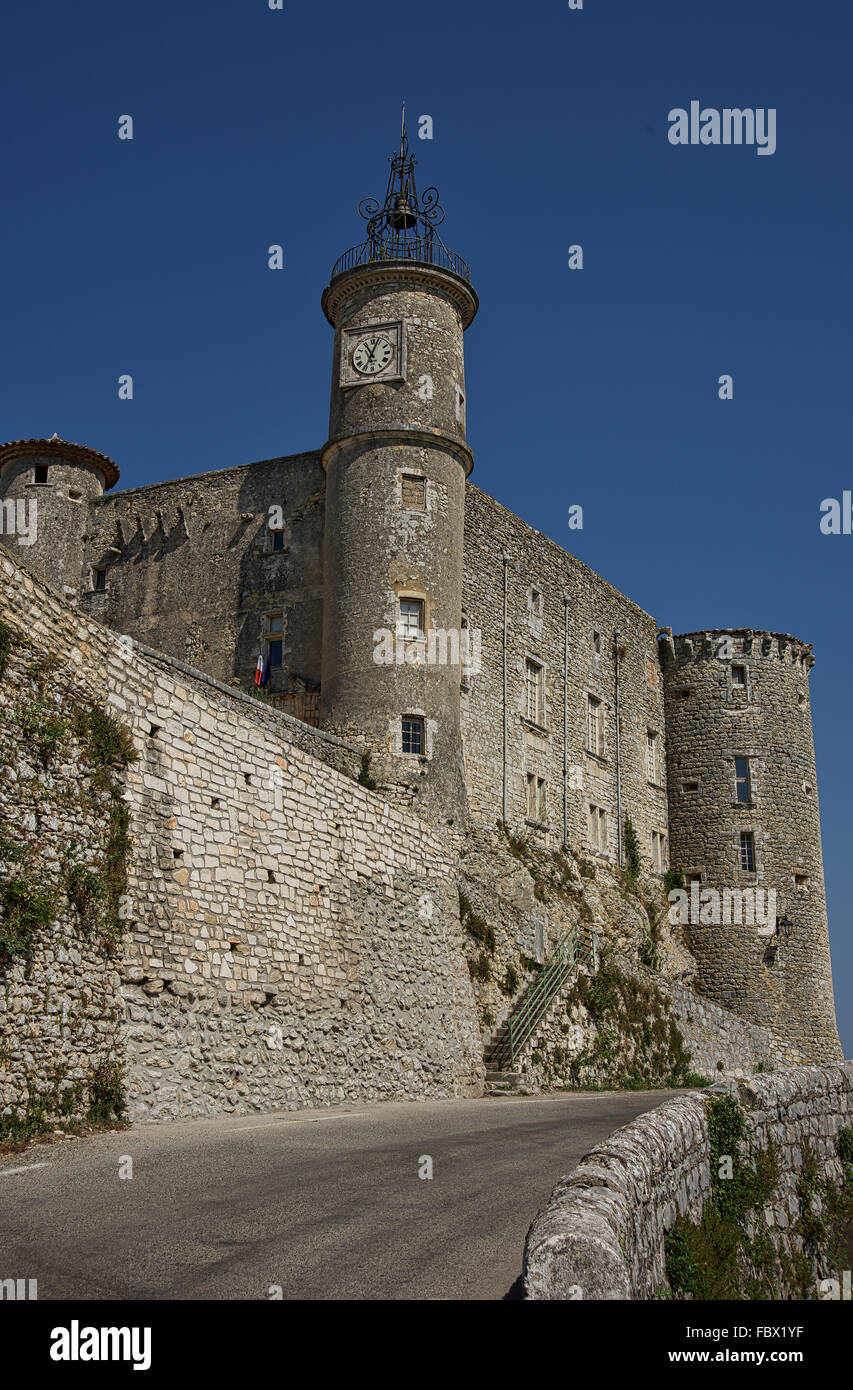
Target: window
274, 639
413, 734
743, 781
40, 473
414, 493
535, 797
801, 881
739, 677
99, 579
690, 879
690, 786
276, 540
537, 602
747, 851
659, 851
598, 828
596, 643
410, 624
535, 691
652, 757
595, 725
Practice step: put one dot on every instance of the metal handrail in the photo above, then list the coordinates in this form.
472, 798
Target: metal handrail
521, 1024
423, 250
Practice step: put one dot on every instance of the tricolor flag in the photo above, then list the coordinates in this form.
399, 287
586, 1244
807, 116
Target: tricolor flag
262, 670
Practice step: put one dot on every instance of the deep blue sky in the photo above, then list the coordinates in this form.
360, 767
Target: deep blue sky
255, 127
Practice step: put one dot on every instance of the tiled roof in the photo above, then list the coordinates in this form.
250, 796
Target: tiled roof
78, 453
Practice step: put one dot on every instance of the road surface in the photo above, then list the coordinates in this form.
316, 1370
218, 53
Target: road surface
323, 1204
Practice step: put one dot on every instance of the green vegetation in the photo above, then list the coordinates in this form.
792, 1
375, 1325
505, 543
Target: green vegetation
475, 925
8, 640
672, 879
481, 968
638, 1046
632, 852
29, 904
509, 984
98, 1099
728, 1253
42, 727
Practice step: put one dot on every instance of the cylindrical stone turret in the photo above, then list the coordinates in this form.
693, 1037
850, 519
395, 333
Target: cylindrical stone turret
745, 822
46, 486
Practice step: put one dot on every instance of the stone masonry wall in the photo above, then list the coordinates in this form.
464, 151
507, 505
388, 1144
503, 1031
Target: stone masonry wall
60, 1009
294, 938
601, 1235
745, 695
536, 632
190, 570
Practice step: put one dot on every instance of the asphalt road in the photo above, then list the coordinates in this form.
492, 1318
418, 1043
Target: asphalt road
324, 1204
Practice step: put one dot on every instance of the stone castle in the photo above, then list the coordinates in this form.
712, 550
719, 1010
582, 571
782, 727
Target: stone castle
457, 667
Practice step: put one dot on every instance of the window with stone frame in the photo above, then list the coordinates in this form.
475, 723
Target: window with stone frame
40, 473
743, 780
274, 639
598, 828
653, 760
747, 851
535, 692
275, 536
410, 621
535, 797
659, 851
413, 734
595, 725
414, 492
99, 578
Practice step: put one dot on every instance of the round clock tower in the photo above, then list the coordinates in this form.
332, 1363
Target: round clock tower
396, 462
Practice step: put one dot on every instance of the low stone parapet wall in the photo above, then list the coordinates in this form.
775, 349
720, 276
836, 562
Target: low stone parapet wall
601, 1235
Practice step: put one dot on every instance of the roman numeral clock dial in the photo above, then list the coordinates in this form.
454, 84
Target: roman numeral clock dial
372, 355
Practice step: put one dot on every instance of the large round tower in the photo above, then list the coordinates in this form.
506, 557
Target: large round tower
396, 463
46, 486
744, 821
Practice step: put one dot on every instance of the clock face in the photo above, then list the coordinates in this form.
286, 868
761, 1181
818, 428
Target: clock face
372, 354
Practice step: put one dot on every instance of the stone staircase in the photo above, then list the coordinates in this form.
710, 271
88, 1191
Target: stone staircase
511, 1036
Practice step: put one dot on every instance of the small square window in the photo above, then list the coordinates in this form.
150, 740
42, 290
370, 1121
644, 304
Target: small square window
739, 677
414, 493
40, 473
413, 734
99, 579
747, 851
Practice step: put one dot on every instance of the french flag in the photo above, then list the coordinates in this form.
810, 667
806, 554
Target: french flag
262, 670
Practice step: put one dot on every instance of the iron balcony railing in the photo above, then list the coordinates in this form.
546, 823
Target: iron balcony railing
423, 250
575, 946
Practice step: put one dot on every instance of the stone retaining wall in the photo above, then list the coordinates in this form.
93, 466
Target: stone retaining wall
601, 1235
292, 938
